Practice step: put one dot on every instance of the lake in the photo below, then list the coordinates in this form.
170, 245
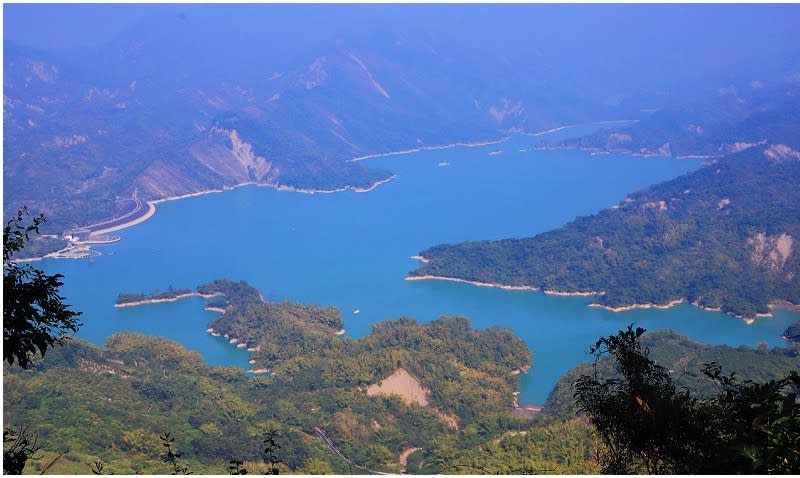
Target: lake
352, 250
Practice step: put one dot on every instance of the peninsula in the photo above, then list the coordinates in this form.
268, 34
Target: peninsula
723, 237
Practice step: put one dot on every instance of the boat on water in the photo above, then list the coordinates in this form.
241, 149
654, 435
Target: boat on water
357, 311
443, 164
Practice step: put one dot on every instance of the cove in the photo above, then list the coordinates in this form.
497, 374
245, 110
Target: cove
352, 250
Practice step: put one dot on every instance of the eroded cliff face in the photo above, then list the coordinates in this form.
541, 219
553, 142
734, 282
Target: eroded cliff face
781, 152
772, 252
232, 158
221, 159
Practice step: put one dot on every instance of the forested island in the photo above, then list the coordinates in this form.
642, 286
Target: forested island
128, 299
723, 237
112, 403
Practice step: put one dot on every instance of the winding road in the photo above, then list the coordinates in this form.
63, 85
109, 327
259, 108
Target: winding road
339, 453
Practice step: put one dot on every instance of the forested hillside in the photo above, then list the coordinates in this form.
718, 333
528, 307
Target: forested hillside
112, 403
559, 441
722, 237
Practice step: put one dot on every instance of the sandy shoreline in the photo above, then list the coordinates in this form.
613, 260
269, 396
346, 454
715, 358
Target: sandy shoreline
784, 305
240, 344
494, 284
571, 294
624, 308
560, 128
151, 207
480, 284
375, 184
166, 299
430, 148
521, 369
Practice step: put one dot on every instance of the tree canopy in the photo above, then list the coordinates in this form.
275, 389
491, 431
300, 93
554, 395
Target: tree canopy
35, 316
648, 425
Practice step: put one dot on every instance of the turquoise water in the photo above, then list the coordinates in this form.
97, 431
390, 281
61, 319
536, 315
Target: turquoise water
352, 250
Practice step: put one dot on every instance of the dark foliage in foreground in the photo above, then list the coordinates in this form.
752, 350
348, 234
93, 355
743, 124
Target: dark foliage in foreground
34, 315
648, 425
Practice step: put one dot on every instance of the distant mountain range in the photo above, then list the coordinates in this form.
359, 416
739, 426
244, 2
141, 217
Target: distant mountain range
731, 121
285, 96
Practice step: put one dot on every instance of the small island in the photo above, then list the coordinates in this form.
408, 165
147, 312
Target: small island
169, 295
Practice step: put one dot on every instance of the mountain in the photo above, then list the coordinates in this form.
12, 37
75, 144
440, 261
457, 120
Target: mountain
214, 96
735, 118
722, 237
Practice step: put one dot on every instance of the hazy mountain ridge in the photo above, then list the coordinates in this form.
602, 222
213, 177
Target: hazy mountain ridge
137, 139
736, 119
308, 89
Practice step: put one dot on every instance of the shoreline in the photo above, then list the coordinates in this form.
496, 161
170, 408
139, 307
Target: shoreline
166, 299
624, 308
474, 144
375, 184
605, 151
425, 260
480, 284
151, 210
151, 205
502, 286
572, 294
566, 126
778, 304
522, 369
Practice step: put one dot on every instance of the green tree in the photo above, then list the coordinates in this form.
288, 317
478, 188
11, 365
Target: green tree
644, 423
34, 314
647, 425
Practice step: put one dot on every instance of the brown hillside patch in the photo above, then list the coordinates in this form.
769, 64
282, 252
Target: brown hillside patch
403, 384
